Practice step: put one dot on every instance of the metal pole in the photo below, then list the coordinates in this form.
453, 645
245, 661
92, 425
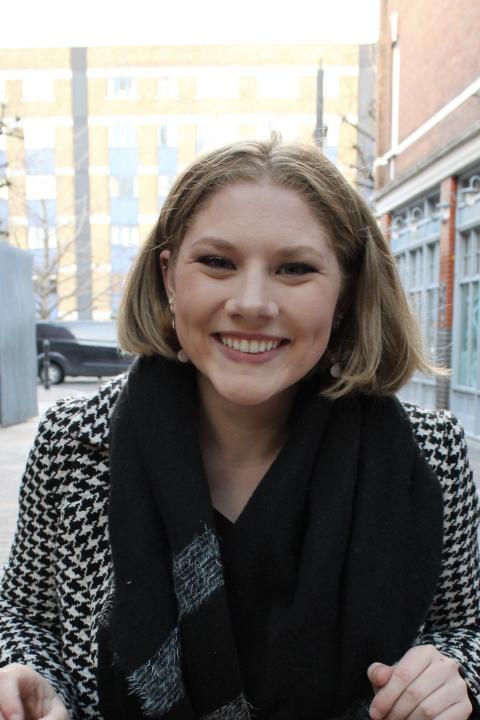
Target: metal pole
46, 364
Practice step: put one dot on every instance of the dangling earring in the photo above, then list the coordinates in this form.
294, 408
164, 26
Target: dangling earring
335, 370
171, 304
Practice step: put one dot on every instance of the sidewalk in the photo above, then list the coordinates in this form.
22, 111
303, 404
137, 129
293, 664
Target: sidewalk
15, 443
16, 440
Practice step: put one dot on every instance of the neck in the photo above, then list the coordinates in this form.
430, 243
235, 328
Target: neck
243, 434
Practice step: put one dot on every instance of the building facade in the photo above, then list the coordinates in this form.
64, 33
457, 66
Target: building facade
105, 130
427, 184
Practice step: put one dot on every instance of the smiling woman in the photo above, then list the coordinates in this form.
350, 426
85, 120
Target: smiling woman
249, 525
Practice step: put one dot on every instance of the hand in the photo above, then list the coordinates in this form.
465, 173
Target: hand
423, 684
26, 695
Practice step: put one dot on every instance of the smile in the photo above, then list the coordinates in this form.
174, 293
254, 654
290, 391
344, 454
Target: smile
252, 347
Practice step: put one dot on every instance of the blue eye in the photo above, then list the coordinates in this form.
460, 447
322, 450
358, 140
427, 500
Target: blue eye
296, 268
216, 262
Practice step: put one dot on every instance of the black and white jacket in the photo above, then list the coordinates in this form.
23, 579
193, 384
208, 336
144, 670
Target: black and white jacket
58, 579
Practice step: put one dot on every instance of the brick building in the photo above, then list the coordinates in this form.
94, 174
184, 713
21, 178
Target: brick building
427, 183
106, 129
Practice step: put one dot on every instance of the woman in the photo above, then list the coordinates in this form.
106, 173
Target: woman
275, 516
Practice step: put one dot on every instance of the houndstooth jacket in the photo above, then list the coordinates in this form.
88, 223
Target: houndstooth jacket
58, 578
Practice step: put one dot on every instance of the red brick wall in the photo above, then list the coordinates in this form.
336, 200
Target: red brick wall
439, 57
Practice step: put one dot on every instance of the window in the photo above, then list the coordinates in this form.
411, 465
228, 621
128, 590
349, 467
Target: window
168, 135
124, 186
39, 136
167, 88
124, 236
122, 88
39, 149
217, 131
331, 84
277, 84
469, 308
217, 85
167, 153
40, 187
419, 272
164, 183
41, 237
38, 86
122, 136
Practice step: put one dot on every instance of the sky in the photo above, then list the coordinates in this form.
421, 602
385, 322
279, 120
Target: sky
66, 23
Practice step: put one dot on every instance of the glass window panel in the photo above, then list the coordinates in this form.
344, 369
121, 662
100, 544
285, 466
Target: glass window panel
42, 213
40, 162
122, 136
123, 161
124, 210
168, 135
466, 255
167, 88
431, 322
40, 187
124, 186
464, 314
38, 237
38, 86
122, 88
474, 337
476, 234
217, 85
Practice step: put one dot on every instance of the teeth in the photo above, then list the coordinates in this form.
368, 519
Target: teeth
248, 346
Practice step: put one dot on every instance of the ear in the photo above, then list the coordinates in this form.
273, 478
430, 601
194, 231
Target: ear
166, 268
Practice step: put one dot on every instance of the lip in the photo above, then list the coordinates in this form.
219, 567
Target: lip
250, 358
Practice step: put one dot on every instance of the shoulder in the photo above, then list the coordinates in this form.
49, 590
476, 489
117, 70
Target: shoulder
438, 433
441, 439
85, 419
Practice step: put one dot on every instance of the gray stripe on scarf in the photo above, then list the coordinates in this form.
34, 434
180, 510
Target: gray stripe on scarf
238, 709
159, 683
197, 572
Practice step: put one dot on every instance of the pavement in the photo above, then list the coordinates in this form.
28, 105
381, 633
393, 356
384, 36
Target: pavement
15, 443
16, 440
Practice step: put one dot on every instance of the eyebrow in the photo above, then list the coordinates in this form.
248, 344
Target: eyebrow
286, 252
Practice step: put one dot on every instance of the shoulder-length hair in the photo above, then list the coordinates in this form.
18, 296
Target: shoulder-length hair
375, 339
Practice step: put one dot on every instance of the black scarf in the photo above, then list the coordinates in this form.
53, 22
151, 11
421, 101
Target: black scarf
367, 558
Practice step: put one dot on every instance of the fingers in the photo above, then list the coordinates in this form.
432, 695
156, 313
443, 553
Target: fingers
26, 695
379, 674
424, 684
11, 705
57, 710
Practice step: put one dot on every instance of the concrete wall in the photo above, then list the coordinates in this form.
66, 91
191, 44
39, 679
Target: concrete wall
18, 364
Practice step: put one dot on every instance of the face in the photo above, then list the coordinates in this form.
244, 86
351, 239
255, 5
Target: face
255, 285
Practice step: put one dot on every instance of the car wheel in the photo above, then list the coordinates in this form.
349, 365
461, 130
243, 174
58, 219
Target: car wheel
55, 373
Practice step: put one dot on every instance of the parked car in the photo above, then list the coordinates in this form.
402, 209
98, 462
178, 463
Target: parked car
83, 347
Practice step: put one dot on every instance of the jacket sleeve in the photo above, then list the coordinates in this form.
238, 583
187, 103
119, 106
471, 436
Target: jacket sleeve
29, 621
453, 621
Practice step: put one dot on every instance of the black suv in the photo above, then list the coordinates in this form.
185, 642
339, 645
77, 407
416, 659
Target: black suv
83, 347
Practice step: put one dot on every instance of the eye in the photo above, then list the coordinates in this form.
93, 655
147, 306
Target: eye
216, 262
296, 268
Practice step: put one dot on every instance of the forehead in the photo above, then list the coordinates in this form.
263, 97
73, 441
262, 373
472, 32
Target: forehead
258, 210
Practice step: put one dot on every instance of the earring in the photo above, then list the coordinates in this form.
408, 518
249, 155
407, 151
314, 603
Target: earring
171, 305
182, 356
335, 370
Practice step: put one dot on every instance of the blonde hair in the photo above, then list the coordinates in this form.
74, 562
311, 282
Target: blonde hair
376, 340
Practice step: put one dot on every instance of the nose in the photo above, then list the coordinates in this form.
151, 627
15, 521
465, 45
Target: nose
252, 296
